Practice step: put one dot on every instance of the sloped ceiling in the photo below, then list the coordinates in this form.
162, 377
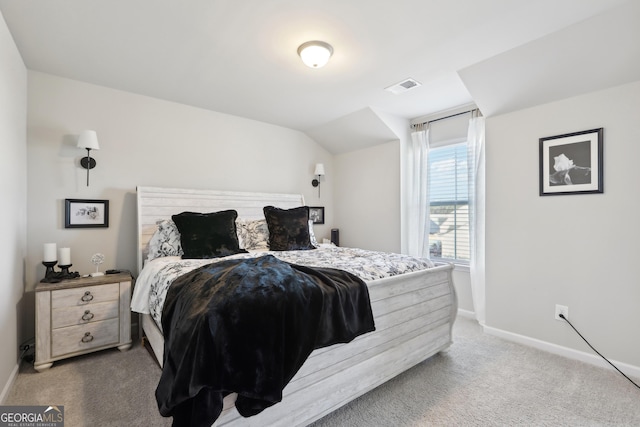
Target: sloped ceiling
239, 57
354, 131
597, 53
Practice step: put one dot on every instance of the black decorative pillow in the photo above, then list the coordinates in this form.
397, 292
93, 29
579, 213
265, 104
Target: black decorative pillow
288, 228
208, 235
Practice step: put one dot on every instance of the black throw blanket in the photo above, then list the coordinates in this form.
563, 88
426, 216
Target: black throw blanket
247, 326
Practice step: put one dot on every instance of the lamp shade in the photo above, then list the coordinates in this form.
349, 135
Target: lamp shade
319, 169
88, 139
315, 54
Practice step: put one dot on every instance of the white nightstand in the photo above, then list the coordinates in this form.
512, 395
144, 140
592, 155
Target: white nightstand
82, 315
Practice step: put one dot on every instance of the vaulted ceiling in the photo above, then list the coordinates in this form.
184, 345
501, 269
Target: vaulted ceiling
239, 57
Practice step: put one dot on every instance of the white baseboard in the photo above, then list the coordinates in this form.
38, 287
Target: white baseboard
629, 370
9, 384
466, 313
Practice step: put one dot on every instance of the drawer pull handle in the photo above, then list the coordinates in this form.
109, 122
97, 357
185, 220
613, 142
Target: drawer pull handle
87, 337
87, 296
87, 315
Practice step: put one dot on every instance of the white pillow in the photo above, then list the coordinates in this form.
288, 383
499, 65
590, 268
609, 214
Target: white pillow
253, 234
312, 236
165, 241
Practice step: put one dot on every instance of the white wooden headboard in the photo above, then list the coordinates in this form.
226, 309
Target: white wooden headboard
157, 203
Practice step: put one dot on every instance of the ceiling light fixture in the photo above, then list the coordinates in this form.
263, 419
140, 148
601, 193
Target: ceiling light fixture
315, 54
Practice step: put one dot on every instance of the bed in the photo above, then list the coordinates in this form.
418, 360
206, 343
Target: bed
414, 314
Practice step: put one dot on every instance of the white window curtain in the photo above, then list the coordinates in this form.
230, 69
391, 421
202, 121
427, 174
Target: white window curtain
476, 158
418, 193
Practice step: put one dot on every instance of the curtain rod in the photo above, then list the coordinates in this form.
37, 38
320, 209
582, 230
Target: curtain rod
472, 111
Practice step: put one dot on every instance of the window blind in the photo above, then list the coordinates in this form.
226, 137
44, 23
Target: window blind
449, 202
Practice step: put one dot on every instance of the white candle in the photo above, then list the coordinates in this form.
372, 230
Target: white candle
64, 256
50, 252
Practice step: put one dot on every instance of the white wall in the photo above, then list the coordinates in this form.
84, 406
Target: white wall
149, 142
578, 250
367, 197
13, 191
462, 284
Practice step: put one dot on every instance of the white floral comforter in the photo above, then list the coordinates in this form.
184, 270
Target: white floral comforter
156, 277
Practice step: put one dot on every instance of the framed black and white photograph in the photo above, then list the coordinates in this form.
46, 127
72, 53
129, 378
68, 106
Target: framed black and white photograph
316, 214
571, 163
80, 213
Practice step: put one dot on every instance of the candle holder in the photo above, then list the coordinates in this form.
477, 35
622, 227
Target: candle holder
52, 276
49, 265
64, 269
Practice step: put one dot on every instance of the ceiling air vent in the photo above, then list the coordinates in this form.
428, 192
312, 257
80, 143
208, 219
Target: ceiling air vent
403, 86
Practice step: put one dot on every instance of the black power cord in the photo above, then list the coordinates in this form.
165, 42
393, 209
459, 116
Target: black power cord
24, 356
597, 352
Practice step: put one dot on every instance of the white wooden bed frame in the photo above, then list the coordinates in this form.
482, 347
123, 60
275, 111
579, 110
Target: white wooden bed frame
414, 314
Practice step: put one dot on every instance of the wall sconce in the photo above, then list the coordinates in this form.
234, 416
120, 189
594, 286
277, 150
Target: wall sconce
318, 172
88, 139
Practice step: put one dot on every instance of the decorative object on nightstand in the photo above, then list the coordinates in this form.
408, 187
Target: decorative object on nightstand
335, 236
50, 260
96, 260
80, 316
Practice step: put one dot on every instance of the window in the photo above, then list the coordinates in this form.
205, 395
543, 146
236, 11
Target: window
449, 203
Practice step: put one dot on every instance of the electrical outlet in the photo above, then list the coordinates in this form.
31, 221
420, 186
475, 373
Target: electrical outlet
562, 309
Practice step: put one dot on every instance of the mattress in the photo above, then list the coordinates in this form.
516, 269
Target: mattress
157, 275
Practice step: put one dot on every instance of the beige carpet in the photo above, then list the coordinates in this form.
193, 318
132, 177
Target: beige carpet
107, 388
480, 381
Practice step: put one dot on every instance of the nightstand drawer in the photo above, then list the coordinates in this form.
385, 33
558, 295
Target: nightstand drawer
81, 315
85, 295
84, 337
